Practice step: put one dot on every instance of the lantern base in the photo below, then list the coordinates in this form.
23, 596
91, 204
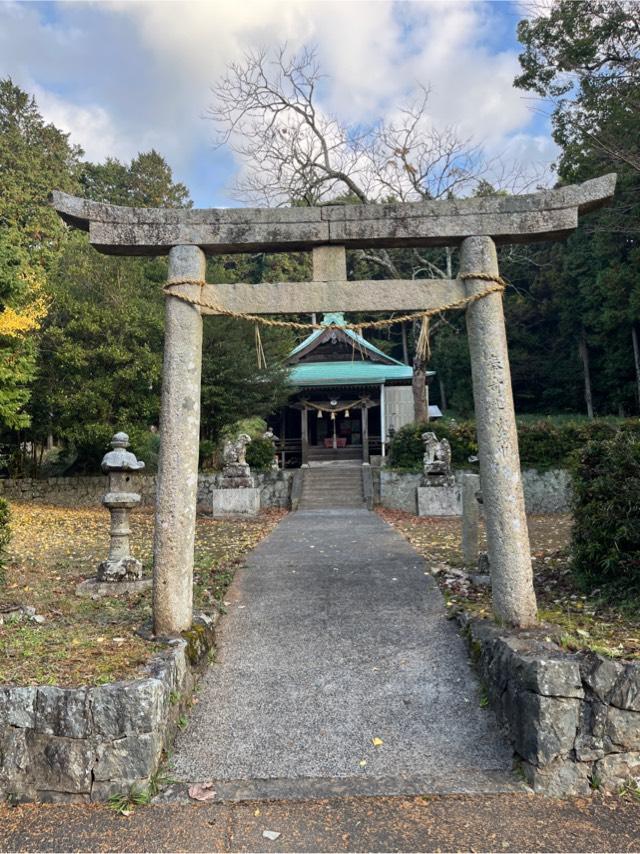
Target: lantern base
124, 569
94, 589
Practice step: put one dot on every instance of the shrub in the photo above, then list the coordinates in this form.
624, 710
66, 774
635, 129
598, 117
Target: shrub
545, 443
253, 427
90, 444
5, 536
606, 532
407, 448
146, 446
208, 455
260, 454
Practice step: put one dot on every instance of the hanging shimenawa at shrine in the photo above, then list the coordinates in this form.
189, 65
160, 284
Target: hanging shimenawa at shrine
349, 397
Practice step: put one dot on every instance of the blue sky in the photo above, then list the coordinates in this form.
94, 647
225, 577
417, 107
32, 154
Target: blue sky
123, 77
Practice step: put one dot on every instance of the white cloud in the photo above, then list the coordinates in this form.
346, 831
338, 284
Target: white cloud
91, 127
125, 76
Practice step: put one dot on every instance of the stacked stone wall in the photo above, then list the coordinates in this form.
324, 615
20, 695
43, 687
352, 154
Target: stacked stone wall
544, 492
86, 744
87, 491
573, 718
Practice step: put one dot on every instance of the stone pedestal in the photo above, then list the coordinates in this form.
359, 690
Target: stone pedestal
445, 500
120, 565
236, 476
94, 589
243, 501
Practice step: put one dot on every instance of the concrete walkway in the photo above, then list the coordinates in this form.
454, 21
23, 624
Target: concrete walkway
336, 636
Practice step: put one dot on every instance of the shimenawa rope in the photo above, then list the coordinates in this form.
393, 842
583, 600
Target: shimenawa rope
422, 347
499, 285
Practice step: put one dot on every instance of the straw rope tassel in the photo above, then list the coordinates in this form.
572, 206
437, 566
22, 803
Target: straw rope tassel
423, 347
262, 360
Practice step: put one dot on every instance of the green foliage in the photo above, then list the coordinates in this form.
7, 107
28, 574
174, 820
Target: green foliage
544, 443
606, 532
260, 454
584, 58
146, 182
5, 536
233, 387
407, 448
146, 446
35, 157
253, 426
207, 454
101, 346
84, 454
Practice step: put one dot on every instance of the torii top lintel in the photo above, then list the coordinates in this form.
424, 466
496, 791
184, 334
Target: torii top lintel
549, 214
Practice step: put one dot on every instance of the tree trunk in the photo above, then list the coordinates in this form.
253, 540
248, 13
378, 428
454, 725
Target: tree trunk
443, 396
583, 350
405, 346
418, 386
636, 355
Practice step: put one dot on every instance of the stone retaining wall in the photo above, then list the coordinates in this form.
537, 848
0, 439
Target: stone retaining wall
544, 492
86, 744
573, 718
88, 491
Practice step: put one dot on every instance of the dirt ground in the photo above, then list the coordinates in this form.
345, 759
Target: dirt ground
452, 823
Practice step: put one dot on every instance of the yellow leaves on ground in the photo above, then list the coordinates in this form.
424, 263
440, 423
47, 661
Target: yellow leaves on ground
377, 742
95, 641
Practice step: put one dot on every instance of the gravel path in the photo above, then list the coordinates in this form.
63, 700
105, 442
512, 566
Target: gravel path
334, 637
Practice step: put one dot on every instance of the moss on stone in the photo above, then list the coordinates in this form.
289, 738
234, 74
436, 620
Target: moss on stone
199, 640
475, 650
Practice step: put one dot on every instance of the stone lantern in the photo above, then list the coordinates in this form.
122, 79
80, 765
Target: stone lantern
120, 464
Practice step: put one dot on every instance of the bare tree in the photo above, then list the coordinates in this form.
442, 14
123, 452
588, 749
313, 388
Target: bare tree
266, 110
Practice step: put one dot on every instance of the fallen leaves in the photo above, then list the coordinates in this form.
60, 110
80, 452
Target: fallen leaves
85, 641
202, 792
377, 742
575, 620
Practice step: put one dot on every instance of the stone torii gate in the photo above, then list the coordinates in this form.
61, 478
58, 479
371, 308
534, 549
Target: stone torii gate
476, 225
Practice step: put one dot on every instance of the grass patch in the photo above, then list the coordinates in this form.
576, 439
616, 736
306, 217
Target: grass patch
85, 641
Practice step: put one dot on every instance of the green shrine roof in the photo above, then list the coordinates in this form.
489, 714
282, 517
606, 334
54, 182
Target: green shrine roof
347, 373
356, 371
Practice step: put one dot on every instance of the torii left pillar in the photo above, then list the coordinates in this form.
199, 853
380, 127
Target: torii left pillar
177, 486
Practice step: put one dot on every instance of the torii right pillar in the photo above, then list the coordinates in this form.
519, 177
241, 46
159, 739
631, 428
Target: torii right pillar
514, 600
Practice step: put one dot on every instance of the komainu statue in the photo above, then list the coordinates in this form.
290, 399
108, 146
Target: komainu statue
271, 436
436, 462
235, 451
235, 469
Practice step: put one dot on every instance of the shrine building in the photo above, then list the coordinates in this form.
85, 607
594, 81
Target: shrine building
348, 398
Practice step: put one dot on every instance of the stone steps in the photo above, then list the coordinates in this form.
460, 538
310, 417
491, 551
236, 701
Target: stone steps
329, 487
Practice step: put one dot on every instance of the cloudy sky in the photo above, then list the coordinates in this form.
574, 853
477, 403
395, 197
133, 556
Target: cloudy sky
123, 77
